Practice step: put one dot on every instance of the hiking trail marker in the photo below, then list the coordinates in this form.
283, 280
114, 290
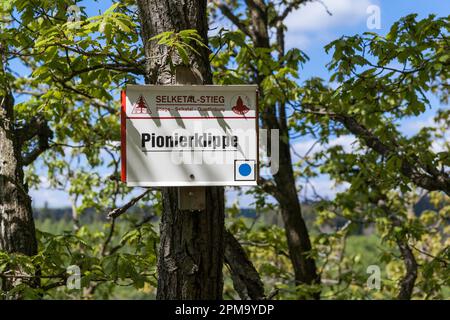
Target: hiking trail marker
189, 135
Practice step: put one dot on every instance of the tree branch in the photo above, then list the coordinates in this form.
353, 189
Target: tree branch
423, 176
269, 187
37, 127
107, 66
431, 180
290, 7
227, 12
408, 281
119, 211
31, 129
246, 280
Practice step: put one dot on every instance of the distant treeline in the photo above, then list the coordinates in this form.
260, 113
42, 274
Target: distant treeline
88, 215
269, 216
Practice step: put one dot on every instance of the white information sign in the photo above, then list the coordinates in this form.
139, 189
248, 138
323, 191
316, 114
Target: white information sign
189, 135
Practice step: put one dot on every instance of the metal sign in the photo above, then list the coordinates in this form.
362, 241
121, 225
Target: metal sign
189, 135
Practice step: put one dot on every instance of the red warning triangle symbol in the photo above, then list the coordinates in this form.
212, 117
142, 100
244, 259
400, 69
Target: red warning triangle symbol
140, 106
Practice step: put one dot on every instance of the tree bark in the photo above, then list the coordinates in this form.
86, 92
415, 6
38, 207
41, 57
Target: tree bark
285, 185
246, 280
408, 281
192, 245
17, 231
296, 231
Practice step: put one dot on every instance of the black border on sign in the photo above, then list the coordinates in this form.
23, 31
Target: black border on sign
254, 169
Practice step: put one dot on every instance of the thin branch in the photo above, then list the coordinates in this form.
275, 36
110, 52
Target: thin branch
119, 211
227, 12
443, 261
293, 6
110, 234
107, 66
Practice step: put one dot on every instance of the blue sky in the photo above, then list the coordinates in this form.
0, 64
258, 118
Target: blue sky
310, 28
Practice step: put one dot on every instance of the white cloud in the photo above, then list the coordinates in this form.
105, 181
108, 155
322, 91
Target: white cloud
314, 17
414, 125
299, 40
324, 186
300, 148
311, 24
349, 143
440, 146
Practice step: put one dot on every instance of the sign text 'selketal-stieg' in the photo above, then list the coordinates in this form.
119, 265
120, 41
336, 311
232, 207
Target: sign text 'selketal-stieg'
189, 135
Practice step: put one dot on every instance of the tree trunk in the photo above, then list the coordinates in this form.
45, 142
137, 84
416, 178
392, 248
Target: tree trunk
192, 243
285, 185
295, 227
17, 232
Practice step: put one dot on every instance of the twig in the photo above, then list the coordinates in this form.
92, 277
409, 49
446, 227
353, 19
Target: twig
119, 211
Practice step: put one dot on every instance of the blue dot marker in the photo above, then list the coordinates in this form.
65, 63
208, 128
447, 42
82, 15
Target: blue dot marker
245, 169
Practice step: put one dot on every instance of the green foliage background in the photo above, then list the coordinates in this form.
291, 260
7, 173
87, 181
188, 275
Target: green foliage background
76, 68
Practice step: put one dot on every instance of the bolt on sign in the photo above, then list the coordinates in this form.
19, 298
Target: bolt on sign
188, 135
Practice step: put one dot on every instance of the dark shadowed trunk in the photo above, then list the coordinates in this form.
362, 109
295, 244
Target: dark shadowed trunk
261, 20
17, 233
295, 227
285, 185
192, 247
